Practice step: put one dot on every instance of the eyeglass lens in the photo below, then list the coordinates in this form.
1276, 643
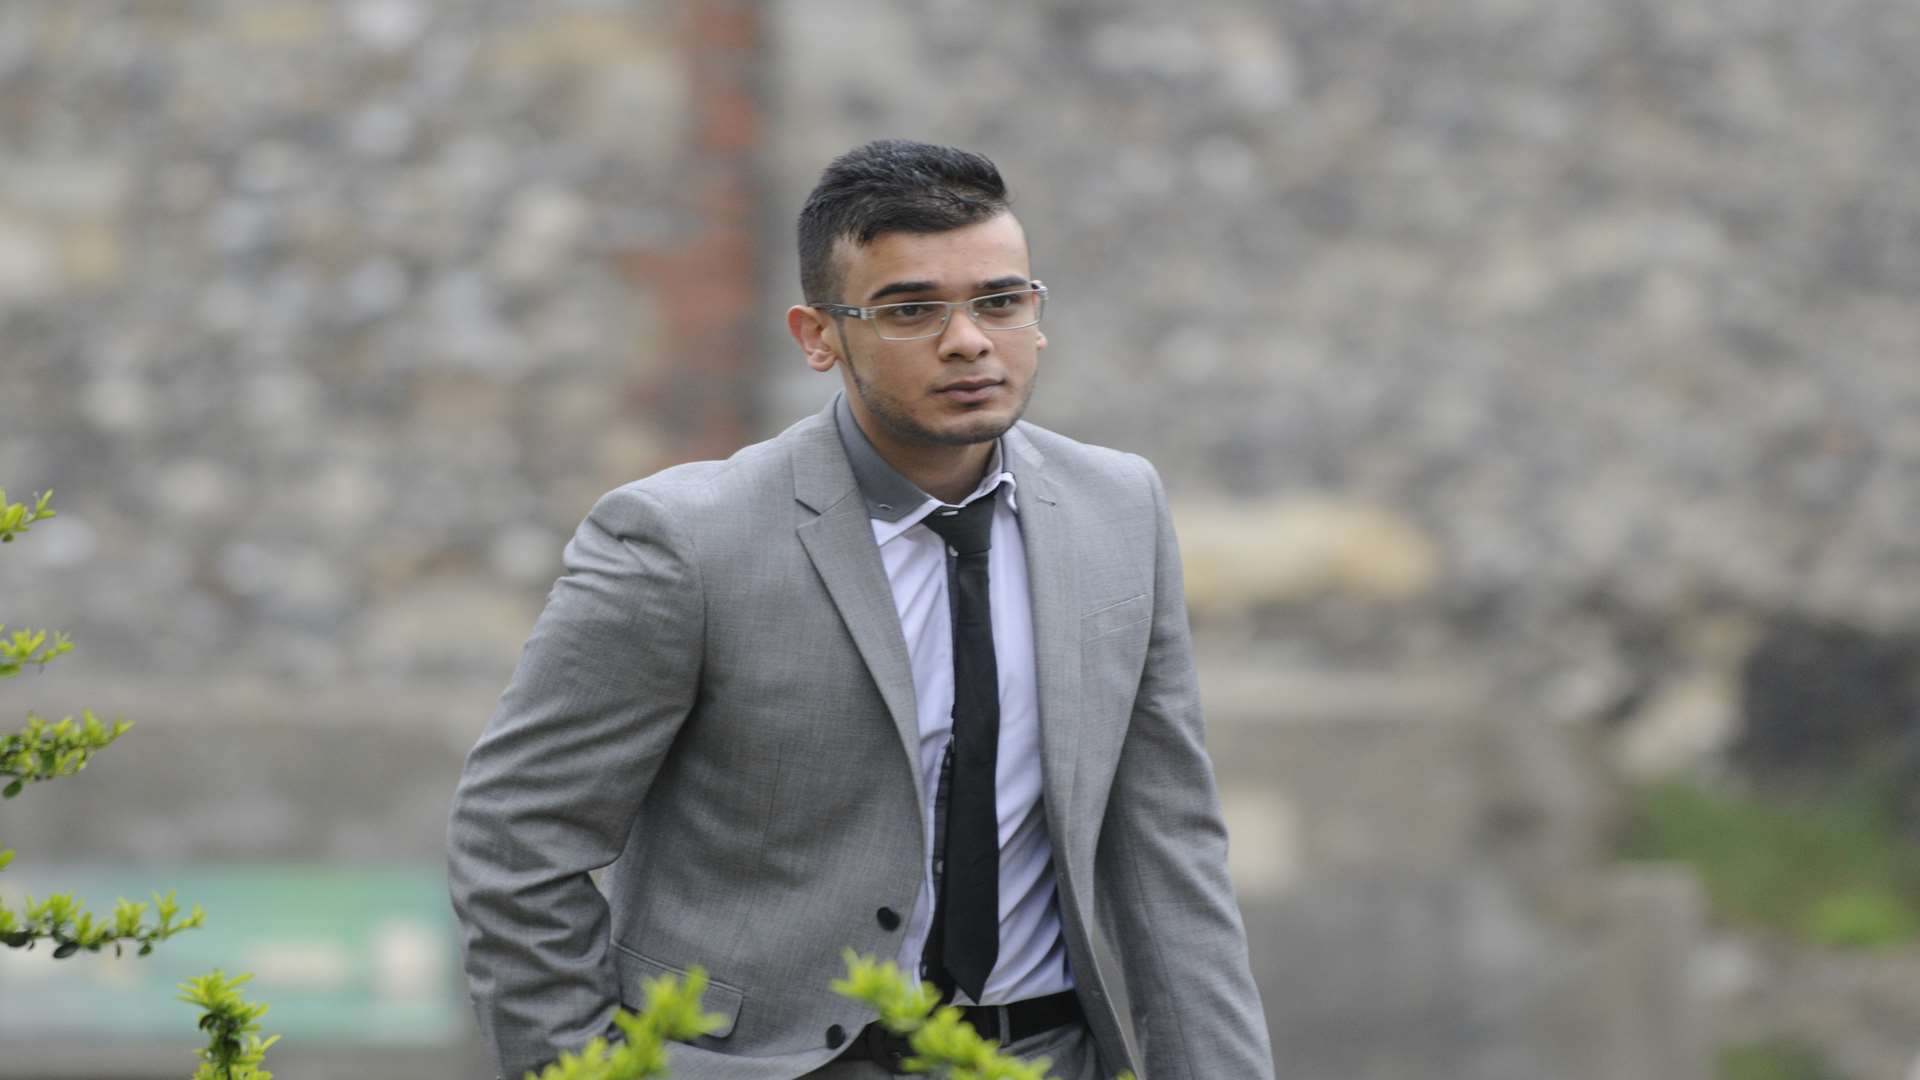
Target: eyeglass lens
1000, 311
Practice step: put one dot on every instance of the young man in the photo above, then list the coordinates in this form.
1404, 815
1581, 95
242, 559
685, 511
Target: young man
912, 677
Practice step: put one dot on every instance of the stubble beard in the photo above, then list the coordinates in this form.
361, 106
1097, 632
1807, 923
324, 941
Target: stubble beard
890, 414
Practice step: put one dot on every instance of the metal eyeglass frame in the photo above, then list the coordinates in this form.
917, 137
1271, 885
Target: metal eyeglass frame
1035, 286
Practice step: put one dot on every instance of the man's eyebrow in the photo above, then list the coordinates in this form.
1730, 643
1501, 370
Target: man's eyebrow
999, 284
895, 287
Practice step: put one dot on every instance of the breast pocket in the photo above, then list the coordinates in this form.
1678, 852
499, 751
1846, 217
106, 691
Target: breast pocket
1113, 652
1114, 617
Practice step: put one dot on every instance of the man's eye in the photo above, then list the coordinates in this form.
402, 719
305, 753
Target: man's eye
908, 311
998, 303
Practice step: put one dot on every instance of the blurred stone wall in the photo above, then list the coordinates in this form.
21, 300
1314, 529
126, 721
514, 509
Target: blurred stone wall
329, 320
1524, 308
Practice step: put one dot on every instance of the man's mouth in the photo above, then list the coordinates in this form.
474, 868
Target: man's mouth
968, 390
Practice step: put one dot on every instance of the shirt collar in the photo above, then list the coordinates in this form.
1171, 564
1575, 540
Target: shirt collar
893, 499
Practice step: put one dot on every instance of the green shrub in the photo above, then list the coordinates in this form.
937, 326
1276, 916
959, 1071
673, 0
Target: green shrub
47, 751
1861, 918
672, 1012
943, 1044
1830, 869
234, 1046
1777, 1059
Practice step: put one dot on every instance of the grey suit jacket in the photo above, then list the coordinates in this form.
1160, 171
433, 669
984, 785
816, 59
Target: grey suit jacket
716, 707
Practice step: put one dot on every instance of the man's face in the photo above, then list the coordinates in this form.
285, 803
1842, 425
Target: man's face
963, 387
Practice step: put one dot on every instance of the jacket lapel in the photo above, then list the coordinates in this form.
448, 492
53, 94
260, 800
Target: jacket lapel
840, 543
1053, 578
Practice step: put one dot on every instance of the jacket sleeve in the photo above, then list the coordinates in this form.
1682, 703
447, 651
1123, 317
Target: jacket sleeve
1166, 902
552, 788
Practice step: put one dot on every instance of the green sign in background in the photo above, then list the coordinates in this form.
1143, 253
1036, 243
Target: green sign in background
352, 955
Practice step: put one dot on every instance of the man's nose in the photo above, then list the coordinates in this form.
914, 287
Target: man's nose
963, 339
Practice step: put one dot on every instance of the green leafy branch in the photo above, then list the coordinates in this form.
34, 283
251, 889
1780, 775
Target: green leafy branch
25, 647
43, 750
942, 1042
234, 1046
17, 517
903, 1004
672, 1013
67, 923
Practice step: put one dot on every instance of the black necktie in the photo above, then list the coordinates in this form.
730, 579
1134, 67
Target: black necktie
967, 914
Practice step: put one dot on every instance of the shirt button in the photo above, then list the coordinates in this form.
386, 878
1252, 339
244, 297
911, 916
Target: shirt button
835, 1036
888, 918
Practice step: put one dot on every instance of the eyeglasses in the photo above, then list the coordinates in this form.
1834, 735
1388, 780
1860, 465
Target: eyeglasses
918, 319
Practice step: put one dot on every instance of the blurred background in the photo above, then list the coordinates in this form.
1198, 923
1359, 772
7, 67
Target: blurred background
1535, 382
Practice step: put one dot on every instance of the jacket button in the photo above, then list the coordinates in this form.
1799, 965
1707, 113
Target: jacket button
835, 1036
888, 918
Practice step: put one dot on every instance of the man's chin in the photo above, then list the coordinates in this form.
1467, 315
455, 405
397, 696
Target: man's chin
973, 430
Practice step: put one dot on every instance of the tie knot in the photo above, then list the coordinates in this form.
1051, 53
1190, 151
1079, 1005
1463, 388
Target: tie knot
968, 530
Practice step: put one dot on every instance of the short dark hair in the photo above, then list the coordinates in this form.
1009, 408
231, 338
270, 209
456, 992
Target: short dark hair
891, 185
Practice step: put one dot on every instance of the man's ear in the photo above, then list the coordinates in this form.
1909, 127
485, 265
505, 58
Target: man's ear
809, 329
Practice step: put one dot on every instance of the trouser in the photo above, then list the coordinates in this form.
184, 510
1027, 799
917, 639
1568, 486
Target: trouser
1069, 1046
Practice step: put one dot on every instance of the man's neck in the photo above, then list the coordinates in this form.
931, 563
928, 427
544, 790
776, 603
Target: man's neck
948, 473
